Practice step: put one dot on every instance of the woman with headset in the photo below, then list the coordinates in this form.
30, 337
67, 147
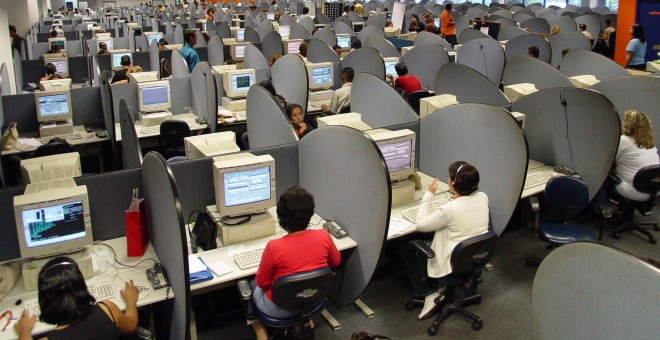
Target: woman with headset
465, 216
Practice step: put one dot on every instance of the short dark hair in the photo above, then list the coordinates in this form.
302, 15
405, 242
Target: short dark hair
448, 6
347, 8
583, 26
303, 49
51, 69
162, 42
290, 108
125, 61
295, 208
356, 44
305, 10
638, 32
347, 74
336, 47
12, 29
103, 43
53, 34
465, 177
401, 69
63, 295
533, 51
608, 22
266, 84
187, 35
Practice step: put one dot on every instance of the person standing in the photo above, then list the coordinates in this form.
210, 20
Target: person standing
188, 52
16, 40
448, 25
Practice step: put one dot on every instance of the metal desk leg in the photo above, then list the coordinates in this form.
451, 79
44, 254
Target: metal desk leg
362, 307
330, 320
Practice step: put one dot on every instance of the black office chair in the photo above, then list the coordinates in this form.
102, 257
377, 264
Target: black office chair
53, 148
646, 180
170, 141
564, 198
467, 261
304, 292
415, 97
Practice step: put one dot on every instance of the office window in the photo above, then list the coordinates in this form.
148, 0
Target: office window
558, 3
612, 5
575, 2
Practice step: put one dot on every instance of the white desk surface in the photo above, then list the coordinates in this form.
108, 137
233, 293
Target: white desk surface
226, 116
119, 275
225, 255
30, 143
186, 117
316, 106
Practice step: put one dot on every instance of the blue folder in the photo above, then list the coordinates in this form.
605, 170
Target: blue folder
201, 276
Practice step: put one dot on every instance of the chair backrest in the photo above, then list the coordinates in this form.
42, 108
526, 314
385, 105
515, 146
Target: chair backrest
415, 97
472, 254
303, 290
53, 148
173, 132
566, 193
647, 180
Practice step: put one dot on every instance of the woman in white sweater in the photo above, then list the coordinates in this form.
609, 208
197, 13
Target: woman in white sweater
463, 217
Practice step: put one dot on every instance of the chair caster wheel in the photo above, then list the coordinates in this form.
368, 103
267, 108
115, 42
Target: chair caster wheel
433, 330
477, 325
410, 305
616, 236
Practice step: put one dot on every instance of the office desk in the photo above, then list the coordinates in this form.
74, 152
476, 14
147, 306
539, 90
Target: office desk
315, 107
119, 275
150, 140
29, 142
226, 116
532, 168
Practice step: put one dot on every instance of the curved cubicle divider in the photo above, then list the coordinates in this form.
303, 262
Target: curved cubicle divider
484, 55
223, 30
362, 210
299, 32
216, 51
365, 59
266, 122
178, 34
524, 69
5, 85
370, 30
345, 20
424, 38
510, 32
593, 25
487, 137
588, 151
579, 62
179, 65
251, 35
253, 58
570, 40
422, 66
271, 45
285, 19
131, 151
468, 85
154, 60
520, 46
289, 77
204, 100
383, 46
341, 27
379, 104
471, 34
263, 28
308, 24
167, 234
327, 35
536, 25
578, 274
565, 23
376, 20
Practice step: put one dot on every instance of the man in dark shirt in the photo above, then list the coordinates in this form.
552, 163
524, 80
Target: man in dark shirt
121, 74
17, 41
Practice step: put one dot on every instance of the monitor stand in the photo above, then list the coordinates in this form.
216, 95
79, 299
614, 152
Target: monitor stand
233, 104
55, 128
32, 268
402, 191
153, 118
259, 225
319, 95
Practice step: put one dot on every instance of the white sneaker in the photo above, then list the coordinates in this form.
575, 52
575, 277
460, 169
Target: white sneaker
429, 306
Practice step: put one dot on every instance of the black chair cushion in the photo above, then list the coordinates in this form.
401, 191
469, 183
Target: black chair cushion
559, 233
296, 320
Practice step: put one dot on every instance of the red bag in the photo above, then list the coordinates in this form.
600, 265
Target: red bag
137, 233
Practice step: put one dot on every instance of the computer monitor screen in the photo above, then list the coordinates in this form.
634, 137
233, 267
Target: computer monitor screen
59, 42
53, 106
61, 65
284, 31
53, 222
240, 34
436, 22
115, 56
293, 46
344, 41
108, 42
237, 51
238, 82
151, 36
244, 185
270, 16
154, 96
398, 149
320, 76
390, 62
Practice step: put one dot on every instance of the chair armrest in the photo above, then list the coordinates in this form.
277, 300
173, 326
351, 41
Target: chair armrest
612, 176
536, 213
246, 299
423, 248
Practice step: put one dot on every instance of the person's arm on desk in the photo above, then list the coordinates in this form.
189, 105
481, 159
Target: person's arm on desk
126, 321
437, 220
265, 273
24, 326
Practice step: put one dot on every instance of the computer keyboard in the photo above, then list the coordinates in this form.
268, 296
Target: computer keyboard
102, 290
248, 258
68, 136
32, 306
410, 214
149, 130
536, 178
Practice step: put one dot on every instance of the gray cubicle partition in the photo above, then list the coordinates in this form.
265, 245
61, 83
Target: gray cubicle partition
327, 35
422, 66
536, 25
167, 235
271, 44
370, 30
580, 62
299, 32
131, 151
224, 30
383, 46
289, 77
253, 58
365, 60
344, 20
340, 27
462, 23
307, 23
593, 25
267, 124
5, 86
216, 51
360, 205
179, 65
379, 104
424, 38
520, 46
285, 19
612, 291
203, 93
510, 32
485, 136
263, 28
524, 69
471, 34
468, 85
252, 36
376, 20
18, 71
571, 40
560, 125
565, 23
154, 60
178, 34
485, 56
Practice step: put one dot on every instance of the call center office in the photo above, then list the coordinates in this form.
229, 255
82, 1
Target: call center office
369, 112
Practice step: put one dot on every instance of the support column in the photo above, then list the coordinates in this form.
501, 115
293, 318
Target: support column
5, 40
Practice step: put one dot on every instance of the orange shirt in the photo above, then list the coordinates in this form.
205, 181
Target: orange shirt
447, 26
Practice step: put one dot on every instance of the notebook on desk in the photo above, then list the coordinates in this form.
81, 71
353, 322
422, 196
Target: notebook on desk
199, 272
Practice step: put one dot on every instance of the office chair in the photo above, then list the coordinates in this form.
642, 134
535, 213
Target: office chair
415, 97
53, 148
170, 141
646, 180
564, 197
304, 292
345, 109
467, 261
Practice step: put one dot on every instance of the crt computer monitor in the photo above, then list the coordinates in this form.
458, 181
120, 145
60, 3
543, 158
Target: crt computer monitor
49, 168
398, 149
61, 42
108, 41
53, 106
344, 41
141, 77
284, 31
320, 75
53, 222
436, 22
61, 65
240, 34
390, 62
270, 16
292, 46
115, 58
244, 185
151, 36
237, 82
154, 96
55, 84
237, 51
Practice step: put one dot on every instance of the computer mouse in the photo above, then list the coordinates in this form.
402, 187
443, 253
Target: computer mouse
200, 121
18, 302
57, 140
101, 134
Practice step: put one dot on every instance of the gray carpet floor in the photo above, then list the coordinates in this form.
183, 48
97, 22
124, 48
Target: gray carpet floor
505, 309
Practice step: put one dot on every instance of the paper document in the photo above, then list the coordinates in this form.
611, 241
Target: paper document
219, 268
195, 264
398, 226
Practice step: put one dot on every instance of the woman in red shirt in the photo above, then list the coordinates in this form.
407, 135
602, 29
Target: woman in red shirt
405, 83
300, 250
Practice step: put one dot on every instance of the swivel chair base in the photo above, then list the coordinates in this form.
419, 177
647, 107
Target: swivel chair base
459, 307
616, 233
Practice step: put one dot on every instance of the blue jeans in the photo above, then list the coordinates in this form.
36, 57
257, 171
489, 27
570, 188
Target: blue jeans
268, 307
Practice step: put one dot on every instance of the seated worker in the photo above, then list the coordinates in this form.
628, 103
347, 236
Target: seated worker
533, 52
461, 218
161, 44
404, 82
305, 13
302, 50
132, 69
415, 25
120, 75
342, 96
583, 30
53, 34
300, 250
297, 119
430, 25
209, 14
187, 51
337, 50
54, 49
281, 102
51, 73
66, 303
103, 48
